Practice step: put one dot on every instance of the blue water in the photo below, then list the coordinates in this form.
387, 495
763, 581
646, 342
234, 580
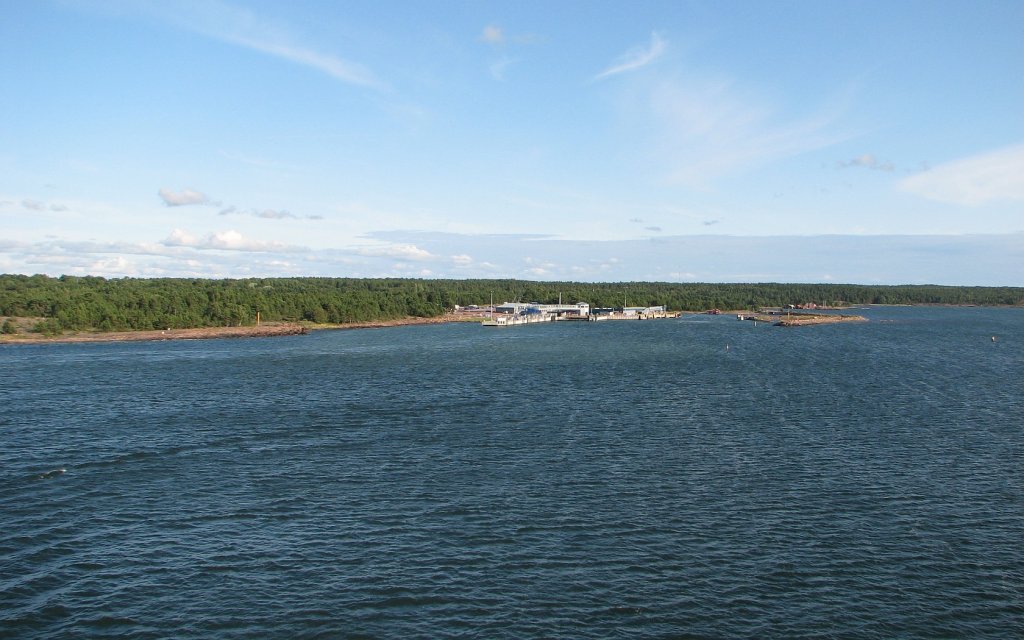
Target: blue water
676, 478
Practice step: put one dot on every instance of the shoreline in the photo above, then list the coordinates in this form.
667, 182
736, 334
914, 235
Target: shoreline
269, 330
266, 330
279, 329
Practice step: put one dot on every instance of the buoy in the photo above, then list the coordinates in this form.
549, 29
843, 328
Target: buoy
993, 338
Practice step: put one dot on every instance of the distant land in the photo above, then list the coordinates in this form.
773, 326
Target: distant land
46, 306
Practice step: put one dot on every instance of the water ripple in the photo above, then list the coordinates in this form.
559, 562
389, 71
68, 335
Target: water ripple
617, 480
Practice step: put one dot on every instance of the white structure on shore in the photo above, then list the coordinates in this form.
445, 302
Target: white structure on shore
513, 308
631, 313
514, 313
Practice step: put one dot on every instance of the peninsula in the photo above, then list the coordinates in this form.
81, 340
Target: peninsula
88, 308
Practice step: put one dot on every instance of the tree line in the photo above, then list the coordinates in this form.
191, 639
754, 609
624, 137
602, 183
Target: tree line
94, 303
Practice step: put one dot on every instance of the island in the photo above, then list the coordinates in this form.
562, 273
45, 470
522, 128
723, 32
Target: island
801, 319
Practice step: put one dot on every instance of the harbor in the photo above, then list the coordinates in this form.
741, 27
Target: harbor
510, 314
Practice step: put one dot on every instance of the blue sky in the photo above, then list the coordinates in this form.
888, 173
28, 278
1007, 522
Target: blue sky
867, 142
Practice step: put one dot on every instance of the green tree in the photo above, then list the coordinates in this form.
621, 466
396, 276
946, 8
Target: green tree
49, 327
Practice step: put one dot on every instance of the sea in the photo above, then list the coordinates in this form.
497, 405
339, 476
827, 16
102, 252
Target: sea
696, 477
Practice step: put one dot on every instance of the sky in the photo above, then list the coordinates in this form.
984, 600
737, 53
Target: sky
863, 141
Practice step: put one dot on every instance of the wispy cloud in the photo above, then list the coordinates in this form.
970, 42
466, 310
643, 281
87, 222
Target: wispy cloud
710, 128
267, 214
866, 161
993, 176
636, 58
252, 161
334, 66
36, 205
191, 197
501, 41
239, 26
182, 198
496, 36
493, 34
499, 66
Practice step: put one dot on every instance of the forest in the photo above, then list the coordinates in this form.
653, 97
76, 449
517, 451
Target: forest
95, 303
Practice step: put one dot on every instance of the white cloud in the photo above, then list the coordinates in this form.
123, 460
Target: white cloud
953, 259
462, 260
492, 34
274, 214
399, 251
867, 161
266, 214
36, 205
229, 240
182, 198
636, 58
235, 241
993, 176
118, 265
180, 238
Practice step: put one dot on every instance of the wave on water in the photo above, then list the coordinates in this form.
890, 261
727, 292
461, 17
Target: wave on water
617, 479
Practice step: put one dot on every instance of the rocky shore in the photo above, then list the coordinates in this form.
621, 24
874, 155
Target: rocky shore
806, 319
799, 319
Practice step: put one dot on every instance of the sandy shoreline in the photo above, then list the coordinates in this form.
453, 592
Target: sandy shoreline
202, 333
277, 329
266, 330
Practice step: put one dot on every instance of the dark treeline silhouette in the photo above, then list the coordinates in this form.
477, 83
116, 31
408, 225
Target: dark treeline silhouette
94, 303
